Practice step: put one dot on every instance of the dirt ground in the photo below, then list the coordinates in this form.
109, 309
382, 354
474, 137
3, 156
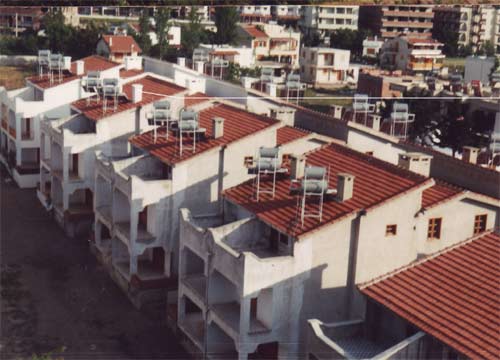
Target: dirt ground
12, 77
55, 297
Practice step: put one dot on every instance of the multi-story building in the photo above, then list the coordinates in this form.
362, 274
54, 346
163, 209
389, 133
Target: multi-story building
326, 19
372, 46
412, 54
409, 313
46, 96
324, 66
258, 14
389, 21
100, 123
17, 19
271, 43
118, 47
237, 269
286, 14
474, 24
138, 198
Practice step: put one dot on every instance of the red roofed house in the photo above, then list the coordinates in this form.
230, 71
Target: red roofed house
442, 307
116, 47
22, 111
99, 124
412, 54
144, 192
275, 265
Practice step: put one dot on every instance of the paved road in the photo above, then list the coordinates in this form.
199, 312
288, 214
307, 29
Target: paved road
57, 298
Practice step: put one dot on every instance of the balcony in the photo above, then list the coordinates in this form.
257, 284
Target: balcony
5, 124
27, 135
143, 236
12, 131
197, 283
104, 212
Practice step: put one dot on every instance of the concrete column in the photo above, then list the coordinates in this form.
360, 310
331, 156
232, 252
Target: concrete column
133, 265
65, 165
272, 89
134, 223
168, 260
245, 315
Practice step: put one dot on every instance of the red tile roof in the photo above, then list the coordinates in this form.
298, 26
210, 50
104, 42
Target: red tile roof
287, 134
254, 32
121, 43
454, 296
237, 125
130, 73
194, 99
439, 193
375, 182
91, 63
153, 89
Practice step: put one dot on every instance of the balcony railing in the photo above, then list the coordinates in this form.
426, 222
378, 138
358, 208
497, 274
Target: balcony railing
5, 124
27, 135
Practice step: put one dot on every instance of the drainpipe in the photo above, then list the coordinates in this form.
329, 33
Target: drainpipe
352, 266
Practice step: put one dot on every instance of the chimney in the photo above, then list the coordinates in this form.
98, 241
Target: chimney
375, 121
345, 186
67, 63
417, 162
199, 66
297, 166
110, 41
80, 67
136, 93
181, 61
217, 127
469, 154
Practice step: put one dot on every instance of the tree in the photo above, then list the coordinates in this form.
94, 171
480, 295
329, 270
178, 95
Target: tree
349, 40
86, 39
489, 48
226, 18
449, 38
456, 130
427, 113
465, 50
311, 39
142, 37
58, 34
192, 34
162, 24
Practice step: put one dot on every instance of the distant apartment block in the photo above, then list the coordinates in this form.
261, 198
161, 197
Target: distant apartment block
474, 24
412, 54
117, 47
258, 14
15, 20
389, 21
272, 45
325, 19
324, 66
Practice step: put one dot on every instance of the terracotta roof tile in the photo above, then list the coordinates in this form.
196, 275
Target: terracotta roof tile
197, 98
439, 193
237, 125
287, 134
121, 43
375, 182
254, 32
153, 89
130, 73
454, 297
91, 63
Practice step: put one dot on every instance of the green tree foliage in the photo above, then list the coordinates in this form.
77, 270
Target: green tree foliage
350, 40
193, 33
488, 48
450, 40
142, 37
311, 39
59, 35
162, 24
226, 18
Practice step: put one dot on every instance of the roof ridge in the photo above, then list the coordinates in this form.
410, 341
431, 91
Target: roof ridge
427, 258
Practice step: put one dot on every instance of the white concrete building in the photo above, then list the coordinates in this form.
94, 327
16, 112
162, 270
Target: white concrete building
252, 276
243, 56
287, 13
22, 111
96, 124
272, 45
118, 47
326, 19
325, 66
371, 47
412, 54
258, 14
137, 199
